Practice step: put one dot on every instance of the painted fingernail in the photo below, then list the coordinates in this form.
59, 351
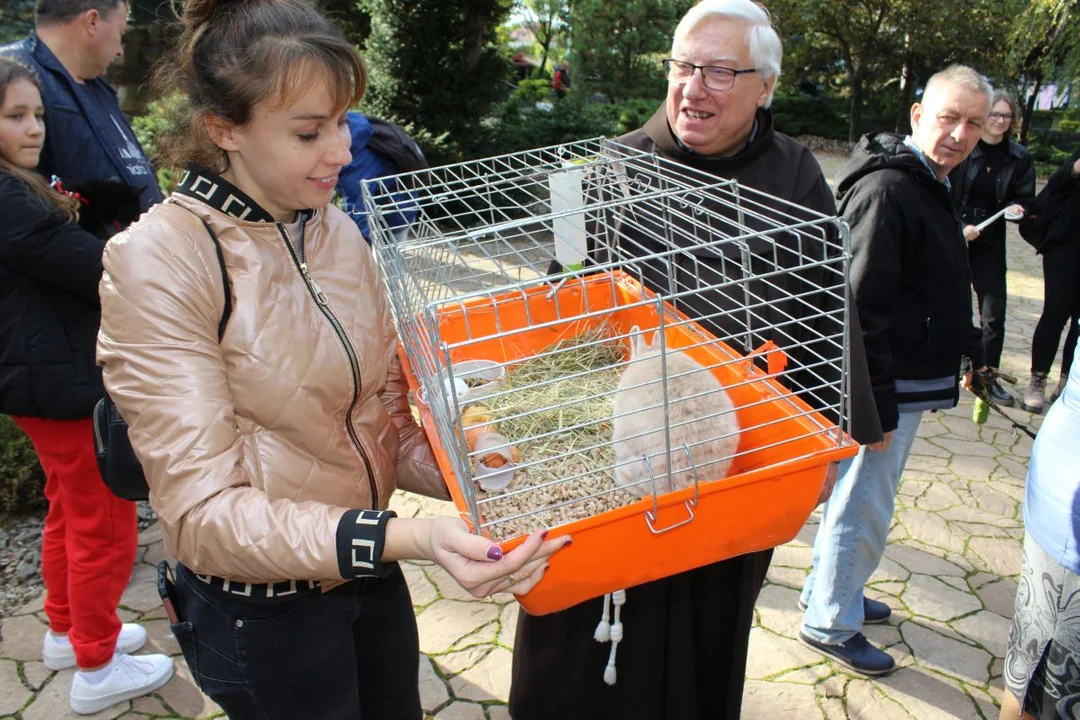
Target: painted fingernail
569, 541
543, 535
494, 553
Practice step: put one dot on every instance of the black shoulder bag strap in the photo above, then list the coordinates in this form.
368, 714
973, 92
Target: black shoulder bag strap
116, 459
227, 309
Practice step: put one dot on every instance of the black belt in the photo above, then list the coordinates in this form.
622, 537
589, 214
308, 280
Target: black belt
978, 213
283, 589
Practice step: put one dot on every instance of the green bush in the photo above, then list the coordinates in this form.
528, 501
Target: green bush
22, 482
532, 91
1069, 126
819, 116
634, 113
164, 117
522, 126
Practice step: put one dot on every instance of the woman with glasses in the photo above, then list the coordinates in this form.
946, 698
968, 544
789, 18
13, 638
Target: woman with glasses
997, 175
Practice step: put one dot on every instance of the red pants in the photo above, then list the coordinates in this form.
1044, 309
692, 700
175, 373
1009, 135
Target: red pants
90, 539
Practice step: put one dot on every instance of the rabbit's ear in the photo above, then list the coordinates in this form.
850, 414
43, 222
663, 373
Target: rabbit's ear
637, 342
654, 341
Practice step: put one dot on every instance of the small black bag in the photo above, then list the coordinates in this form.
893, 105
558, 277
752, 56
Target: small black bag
115, 458
1037, 224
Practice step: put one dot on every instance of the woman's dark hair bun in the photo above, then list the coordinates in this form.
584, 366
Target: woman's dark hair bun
231, 55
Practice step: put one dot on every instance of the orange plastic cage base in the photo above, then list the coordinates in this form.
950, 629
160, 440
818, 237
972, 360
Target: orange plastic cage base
763, 502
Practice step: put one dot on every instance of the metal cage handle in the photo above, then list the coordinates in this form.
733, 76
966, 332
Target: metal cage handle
652, 515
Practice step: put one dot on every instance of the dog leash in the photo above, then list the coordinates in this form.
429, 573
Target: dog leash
986, 399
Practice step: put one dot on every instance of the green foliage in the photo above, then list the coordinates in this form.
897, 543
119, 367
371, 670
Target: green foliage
618, 46
434, 64
821, 116
877, 53
633, 114
519, 125
532, 91
16, 19
546, 21
164, 118
350, 16
1070, 126
22, 482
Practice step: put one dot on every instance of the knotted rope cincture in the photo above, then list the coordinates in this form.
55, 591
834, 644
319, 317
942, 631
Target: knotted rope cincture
613, 631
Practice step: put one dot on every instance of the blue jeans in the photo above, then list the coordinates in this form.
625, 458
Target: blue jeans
851, 537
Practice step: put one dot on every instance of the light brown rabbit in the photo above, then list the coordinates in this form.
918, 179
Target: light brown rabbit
701, 416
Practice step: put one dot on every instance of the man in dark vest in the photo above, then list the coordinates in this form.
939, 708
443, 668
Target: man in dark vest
88, 137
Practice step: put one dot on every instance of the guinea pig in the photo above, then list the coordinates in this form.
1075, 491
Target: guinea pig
701, 416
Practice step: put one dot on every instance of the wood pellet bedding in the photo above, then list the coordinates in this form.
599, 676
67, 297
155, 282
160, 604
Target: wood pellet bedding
557, 410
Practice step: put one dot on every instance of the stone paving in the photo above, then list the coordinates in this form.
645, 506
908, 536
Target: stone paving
949, 575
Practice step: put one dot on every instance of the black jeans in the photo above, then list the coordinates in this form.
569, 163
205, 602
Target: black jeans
987, 256
1061, 301
349, 654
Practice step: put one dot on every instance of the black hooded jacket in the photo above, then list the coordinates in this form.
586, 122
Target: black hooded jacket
910, 276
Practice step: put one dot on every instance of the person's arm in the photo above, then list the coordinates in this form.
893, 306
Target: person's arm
162, 363
1023, 183
865, 425
37, 242
162, 299
1066, 176
876, 242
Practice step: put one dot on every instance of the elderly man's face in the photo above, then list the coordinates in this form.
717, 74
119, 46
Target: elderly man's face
947, 125
716, 122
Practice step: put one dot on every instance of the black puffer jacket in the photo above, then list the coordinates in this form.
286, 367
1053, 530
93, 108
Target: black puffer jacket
49, 309
910, 276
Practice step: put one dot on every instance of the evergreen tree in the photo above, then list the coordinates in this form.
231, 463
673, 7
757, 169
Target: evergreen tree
433, 67
16, 19
617, 47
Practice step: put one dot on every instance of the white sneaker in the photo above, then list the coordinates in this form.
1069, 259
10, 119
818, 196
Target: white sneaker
129, 676
60, 655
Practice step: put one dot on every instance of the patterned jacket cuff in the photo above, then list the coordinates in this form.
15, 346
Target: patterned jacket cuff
361, 536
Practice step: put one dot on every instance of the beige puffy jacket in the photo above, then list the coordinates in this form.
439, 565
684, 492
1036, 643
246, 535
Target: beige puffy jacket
255, 447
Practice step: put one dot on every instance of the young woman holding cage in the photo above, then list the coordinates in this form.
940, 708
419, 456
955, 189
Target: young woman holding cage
272, 454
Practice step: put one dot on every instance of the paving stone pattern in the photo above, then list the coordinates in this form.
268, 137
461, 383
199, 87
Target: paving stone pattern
949, 574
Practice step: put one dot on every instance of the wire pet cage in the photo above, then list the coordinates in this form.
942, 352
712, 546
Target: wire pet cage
606, 343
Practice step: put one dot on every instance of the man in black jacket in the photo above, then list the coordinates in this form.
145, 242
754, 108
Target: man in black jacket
910, 276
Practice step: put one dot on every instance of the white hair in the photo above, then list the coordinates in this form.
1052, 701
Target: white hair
766, 51
961, 76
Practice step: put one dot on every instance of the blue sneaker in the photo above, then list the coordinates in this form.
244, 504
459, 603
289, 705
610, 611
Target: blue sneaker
875, 612
857, 653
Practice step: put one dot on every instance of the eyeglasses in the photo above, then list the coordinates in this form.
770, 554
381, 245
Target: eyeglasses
714, 76
998, 117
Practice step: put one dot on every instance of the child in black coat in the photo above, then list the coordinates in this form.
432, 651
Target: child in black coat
50, 268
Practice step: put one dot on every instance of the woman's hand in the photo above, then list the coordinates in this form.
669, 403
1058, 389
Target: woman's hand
479, 565
971, 233
1015, 211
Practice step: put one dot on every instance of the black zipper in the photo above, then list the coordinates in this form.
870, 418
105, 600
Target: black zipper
320, 299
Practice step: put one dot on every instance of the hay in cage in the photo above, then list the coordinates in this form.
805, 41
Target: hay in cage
557, 409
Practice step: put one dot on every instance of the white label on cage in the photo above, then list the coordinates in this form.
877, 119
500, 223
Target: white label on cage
571, 246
